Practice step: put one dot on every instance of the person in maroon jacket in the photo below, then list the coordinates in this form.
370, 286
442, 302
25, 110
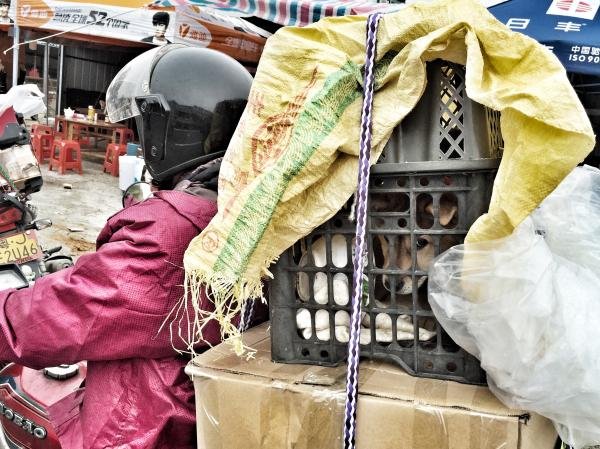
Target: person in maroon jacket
109, 307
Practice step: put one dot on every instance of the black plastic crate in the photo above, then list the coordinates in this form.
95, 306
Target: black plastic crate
314, 277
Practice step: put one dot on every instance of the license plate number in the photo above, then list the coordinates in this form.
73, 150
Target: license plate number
20, 248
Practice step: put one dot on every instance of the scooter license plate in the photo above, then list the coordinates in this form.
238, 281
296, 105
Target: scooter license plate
20, 248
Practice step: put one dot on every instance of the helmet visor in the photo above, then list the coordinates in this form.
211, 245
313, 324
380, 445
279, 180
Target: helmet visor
132, 81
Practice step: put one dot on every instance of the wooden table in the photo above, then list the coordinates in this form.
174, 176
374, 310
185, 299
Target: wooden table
93, 129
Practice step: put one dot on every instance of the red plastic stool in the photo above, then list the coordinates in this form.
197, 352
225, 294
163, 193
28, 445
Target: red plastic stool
123, 135
42, 141
66, 155
111, 158
42, 146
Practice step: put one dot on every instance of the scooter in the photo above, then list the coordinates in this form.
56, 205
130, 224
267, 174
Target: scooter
25, 394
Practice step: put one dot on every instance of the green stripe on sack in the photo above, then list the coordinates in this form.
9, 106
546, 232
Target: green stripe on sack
318, 118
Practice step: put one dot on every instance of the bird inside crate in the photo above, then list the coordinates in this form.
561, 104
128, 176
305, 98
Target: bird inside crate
404, 240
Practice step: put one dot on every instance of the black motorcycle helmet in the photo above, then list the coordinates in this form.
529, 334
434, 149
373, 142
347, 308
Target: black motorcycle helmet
187, 102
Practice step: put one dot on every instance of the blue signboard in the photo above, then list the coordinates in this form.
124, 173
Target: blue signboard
570, 28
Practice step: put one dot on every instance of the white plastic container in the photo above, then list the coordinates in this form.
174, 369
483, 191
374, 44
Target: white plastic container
130, 170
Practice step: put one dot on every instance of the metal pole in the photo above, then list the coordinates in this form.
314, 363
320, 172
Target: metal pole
15, 71
61, 53
45, 81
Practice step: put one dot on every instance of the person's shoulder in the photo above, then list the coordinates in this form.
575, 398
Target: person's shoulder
181, 197
196, 209
150, 215
166, 208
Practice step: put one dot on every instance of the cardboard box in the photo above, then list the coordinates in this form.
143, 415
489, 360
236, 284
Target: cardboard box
252, 404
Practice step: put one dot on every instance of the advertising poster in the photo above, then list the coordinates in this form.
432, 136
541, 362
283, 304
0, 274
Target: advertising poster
128, 20
568, 28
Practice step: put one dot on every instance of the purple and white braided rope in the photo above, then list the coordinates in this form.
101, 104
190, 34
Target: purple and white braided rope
246, 315
364, 169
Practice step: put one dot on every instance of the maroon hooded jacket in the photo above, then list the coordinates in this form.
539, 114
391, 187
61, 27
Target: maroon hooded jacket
108, 309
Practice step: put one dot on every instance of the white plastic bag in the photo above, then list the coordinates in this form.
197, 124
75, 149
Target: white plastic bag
26, 99
528, 306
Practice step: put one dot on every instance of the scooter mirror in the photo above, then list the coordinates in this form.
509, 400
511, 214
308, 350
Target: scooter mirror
11, 276
42, 223
136, 192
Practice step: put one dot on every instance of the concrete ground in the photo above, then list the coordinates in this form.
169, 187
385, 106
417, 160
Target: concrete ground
77, 213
